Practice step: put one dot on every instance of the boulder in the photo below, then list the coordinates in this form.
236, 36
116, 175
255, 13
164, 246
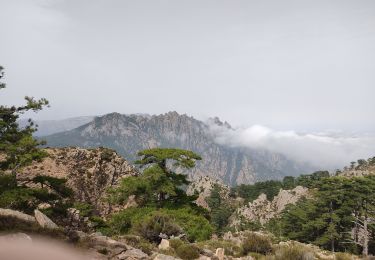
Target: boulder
220, 253
43, 220
132, 254
16, 214
207, 252
99, 241
164, 244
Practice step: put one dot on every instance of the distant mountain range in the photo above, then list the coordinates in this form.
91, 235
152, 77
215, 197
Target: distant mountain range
128, 134
48, 127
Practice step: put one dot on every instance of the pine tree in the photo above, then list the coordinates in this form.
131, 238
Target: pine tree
158, 184
17, 145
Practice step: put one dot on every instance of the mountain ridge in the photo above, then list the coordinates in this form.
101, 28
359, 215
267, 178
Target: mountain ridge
128, 134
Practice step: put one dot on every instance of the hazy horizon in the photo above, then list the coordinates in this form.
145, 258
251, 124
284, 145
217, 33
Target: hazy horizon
291, 76
290, 65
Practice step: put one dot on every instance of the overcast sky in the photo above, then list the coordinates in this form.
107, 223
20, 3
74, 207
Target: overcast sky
290, 65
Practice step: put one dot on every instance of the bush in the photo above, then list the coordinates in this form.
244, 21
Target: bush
294, 252
125, 220
258, 256
85, 209
257, 244
175, 243
187, 251
156, 224
196, 227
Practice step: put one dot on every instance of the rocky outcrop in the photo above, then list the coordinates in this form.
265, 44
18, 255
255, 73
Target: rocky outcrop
9, 213
128, 134
203, 186
358, 171
89, 172
164, 244
262, 210
44, 221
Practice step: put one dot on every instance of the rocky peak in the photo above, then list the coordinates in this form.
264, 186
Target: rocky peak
262, 209
128, 134
218, 122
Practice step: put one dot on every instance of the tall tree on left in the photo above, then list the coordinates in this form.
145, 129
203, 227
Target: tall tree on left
18, 148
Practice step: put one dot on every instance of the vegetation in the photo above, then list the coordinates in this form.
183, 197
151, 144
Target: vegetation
158, 186
220, 209
18, 149
271, 188
164, 207
257, 244
150, 222
339, 206
187, 251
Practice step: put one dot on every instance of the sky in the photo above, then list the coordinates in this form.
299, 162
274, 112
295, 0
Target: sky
300, 66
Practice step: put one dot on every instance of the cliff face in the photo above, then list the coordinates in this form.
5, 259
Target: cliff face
88, 172
128, 134
263, 210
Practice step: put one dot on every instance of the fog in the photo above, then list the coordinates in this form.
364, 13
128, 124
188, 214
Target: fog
324, 150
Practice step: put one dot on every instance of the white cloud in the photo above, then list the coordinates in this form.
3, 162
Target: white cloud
326, 150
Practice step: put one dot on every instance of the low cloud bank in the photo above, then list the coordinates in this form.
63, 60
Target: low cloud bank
325, 150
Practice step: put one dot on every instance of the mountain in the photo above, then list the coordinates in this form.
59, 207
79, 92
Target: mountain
48, 127
128, 134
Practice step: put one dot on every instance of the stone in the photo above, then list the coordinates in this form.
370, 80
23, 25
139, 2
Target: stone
164, 257
99, 241
16, 214
132, 254
203, 257
164, 244
207, 252
43, 220
220, 253
44, 206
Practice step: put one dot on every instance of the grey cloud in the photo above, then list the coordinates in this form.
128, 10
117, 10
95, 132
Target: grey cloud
323, 150
303, 65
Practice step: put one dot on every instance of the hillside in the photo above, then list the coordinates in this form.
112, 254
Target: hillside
89, 173
128, 134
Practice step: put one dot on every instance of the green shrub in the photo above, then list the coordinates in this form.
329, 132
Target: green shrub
256, 243
175, 243
196, 227
156, 224
187, 251
121, 223
107, 154
85, 209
